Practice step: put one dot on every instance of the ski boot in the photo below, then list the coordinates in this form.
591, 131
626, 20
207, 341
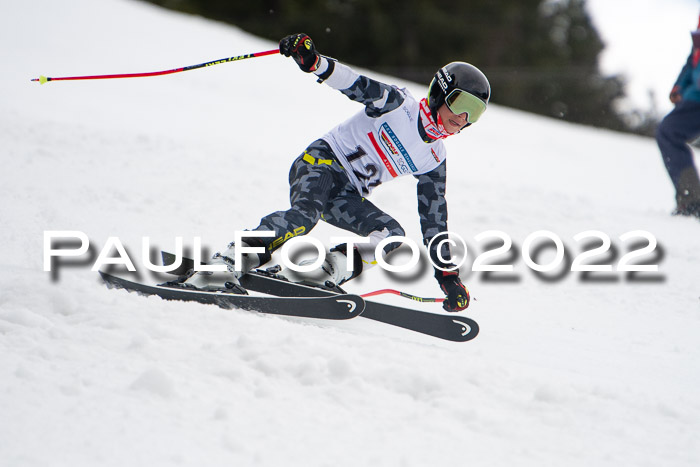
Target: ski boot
688, 194
228, 280
332, 273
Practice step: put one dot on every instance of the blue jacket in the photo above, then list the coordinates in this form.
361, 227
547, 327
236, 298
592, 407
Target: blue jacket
689, 79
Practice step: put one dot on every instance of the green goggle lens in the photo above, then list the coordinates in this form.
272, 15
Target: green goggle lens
460, 102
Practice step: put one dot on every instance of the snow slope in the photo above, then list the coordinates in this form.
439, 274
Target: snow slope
565, 371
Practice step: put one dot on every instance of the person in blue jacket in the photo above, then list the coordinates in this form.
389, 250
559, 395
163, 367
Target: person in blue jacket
679, 127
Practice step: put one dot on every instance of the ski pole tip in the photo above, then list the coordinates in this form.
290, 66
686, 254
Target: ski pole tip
42, 79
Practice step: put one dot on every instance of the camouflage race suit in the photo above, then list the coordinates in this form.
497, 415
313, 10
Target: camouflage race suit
322, 189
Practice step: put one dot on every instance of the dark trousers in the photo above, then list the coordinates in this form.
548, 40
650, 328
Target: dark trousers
679, 127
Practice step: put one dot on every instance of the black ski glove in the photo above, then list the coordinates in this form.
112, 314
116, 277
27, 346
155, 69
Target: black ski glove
301, 48
456, 294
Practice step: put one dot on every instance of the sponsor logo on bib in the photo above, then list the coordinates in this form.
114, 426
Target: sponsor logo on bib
395, 150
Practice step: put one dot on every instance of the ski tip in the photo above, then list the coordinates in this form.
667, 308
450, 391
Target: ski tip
467, 329
355, 304
105, 277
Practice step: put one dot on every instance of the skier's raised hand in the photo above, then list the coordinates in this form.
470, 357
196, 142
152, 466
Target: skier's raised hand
301, 48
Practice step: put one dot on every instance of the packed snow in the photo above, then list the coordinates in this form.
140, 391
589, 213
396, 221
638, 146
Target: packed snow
568, 369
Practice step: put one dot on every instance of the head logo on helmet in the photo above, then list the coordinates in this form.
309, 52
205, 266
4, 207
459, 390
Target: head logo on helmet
442, 78
463, 87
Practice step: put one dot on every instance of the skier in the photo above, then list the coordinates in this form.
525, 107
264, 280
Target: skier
679, 127
393, 135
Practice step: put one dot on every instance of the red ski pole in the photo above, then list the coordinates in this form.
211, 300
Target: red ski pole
44, 79
404, 295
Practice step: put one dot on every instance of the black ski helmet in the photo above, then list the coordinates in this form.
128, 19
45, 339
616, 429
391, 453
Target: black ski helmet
457, 75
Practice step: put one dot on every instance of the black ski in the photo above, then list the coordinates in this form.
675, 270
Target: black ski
452, 327
344, 306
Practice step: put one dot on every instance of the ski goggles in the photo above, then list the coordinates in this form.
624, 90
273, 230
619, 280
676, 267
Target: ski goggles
460, 102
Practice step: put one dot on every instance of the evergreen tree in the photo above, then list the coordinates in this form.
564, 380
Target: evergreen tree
540, 55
